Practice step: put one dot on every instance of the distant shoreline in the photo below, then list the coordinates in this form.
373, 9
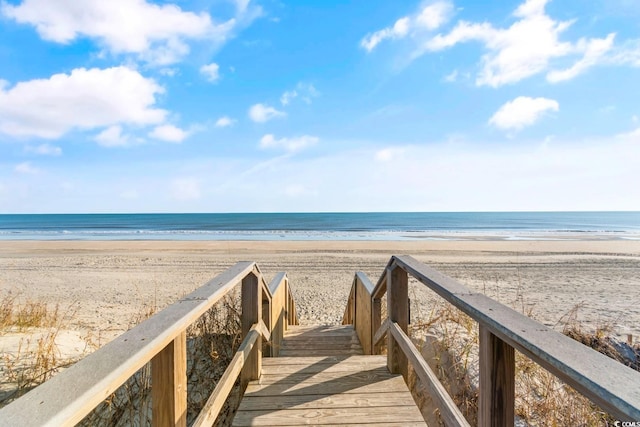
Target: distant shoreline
400, 226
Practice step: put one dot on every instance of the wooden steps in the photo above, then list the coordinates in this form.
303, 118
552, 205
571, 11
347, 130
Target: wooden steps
322, 378
320, 341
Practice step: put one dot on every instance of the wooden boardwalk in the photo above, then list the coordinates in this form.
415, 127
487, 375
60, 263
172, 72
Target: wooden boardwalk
322, 378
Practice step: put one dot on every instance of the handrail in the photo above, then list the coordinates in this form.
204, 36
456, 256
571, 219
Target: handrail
214, 404
160, 339
608, 383
448, 409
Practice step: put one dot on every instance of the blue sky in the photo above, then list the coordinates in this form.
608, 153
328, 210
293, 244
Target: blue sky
269, 105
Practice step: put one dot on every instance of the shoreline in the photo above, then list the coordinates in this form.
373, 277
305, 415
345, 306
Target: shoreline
107, 282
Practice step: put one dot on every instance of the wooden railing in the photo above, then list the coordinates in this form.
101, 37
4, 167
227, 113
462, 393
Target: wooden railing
69, 396
606, 382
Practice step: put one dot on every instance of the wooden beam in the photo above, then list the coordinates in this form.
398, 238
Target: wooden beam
448, 409
376, 319
169, 384
398, 310
362, 311
251, 314
497, 381
217, 399
606, 382
92, 379
381, 332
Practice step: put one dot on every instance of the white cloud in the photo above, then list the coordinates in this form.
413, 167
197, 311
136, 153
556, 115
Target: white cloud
262, 113
524, 49
45, 150
26, 168
288, 144
594, 51
451, 77
169, 71
435, 15
112, 137
156, 33
399, 30
84, 99
521, 112
634, 135
225, 121
211, 71
430, 17
304, 91
169, 133
288, 96
185, 189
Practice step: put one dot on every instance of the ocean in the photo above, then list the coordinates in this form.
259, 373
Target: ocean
323, 226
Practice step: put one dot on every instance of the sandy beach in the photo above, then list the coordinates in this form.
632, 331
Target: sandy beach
105, 284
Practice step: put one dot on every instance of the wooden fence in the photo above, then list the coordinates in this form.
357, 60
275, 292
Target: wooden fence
606, 382
69, 396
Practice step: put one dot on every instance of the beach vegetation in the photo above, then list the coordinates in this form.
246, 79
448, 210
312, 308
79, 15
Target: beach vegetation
33, 328
448, 340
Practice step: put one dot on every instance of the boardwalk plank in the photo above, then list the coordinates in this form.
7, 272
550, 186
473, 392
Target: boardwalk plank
333, 416
322, 378
321, 401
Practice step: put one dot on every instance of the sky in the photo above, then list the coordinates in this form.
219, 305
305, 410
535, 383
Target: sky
325, 105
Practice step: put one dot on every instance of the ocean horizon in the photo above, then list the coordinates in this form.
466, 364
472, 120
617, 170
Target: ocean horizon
323, 226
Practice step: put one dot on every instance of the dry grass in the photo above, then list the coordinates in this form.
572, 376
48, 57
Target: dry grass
211, 343
37, 358
448, 340
29, 314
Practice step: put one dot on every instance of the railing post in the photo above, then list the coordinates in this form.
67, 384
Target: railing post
398, 311
497, 381
267, 313
287, 309
251, 313
169, 384
376, 322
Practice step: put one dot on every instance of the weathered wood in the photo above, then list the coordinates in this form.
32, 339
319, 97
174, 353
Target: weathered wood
309, 365
609, 384
362, 314
497, 381
323, 390
320, 341
320, 330
359, 375
345, 386
169, 384
398, 310
448, 409
337, 416
216, 401
292, 352
251, 314
342, 339
278, 289
310, 346
381, 286
354, 400
97, 376
376, 322
381, 332
349, 311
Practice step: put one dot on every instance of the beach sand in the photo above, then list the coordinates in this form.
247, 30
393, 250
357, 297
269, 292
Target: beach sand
106, 284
